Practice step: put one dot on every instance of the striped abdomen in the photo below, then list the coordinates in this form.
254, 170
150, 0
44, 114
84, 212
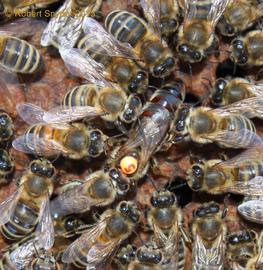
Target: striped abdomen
19, 56
249, 171
83, 95
201, 8
22, 222
126, 27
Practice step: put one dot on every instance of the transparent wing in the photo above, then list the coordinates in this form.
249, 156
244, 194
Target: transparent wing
25, 3
94, 31
242, 138
252, 187
45, 234
85, 242
83, 67
75, 200
189, 8
250, 107
32, 144
252, 210
30, 113
7, 207
63, 30
152, 12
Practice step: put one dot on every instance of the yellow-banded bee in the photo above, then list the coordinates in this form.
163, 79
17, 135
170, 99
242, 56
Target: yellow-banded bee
95, 248
239, 16
28, 207
196, 37
147, 44
228, 91
227, 126
64, 27
166, 221
209, 235
169, 14
74, 141
247, 50
151, 132
241, 174
99, 189
243, 250
115, 57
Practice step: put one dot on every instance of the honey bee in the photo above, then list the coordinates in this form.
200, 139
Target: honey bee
74, 141
165, 219
125, 256
241, 174
209, 235
169, 14
227, 126
196, 37
151, 133
28, 207
228, 91
115, 57
145, 39
243, 250
65, 26
6, 166
252, 210
99, 189
247, 50
96, 247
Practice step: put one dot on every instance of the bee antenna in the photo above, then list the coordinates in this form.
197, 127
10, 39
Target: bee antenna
191, 75
139, 237
35, 248
179, 186
152, 182
208, 80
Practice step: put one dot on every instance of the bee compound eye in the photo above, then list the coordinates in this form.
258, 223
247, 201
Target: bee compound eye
124, 207
183, 49
195, 55
233, 239
34, 167
128, 165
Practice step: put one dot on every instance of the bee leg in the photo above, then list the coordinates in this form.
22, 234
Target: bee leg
121, 127
98, 16
186, 237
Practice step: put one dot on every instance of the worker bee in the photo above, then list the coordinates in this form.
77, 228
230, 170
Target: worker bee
239, 16
251, 209
247, 50
115, 57
95, 248
196, 37
228, 91
64, 28
169, 14
243, 250
227, 126
99, 189
125, 256
28, 207
150, 134
209, 235
6, 166
242, 174
165, 219
146, 40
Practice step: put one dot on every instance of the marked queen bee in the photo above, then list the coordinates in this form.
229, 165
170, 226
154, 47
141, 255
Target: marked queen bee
242, 174
145, 39
28, 207
95, 248
227, 126
196, 37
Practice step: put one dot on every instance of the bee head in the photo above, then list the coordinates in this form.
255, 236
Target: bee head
188, 54
195, 177
130, 210
218, 91
6, 164
42, 167
139, 83
6, 126
209, 209
127, 254
119, 181
131, 110
148, 255
164, 69
163, 199
169, 26
239, 52
241, 237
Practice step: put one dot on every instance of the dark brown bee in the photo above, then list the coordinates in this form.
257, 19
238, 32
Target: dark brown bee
209, 235
247, 50
29, 205
243, 250
94, 248
151, 133
196, 37
155, 54
239, 16
125, 256
6, 166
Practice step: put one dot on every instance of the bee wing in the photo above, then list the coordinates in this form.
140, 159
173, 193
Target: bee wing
252, 187
7, 207
152, 12
30, 113
45, 234
75, 200
252, 210
250, 107
26, 3
63, 30
32, 144
242, 138
85, 242
94, 31
83, 67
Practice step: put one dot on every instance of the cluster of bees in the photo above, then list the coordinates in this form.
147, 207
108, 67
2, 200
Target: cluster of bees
119, 60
